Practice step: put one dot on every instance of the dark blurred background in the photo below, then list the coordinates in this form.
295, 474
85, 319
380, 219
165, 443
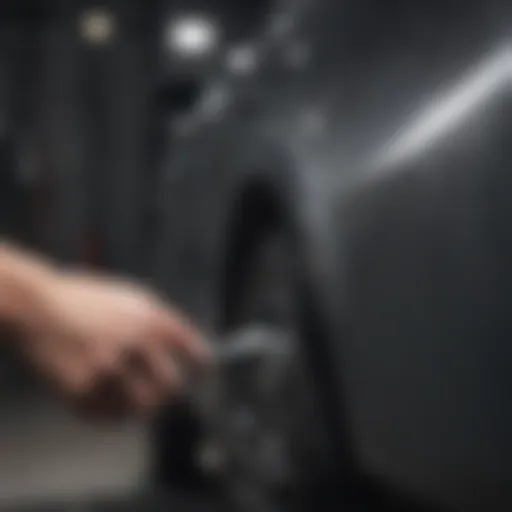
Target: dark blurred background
91, 95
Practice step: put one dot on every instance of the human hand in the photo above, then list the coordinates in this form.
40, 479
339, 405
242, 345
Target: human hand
109, 347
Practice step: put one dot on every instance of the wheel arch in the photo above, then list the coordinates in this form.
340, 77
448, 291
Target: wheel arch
257, 210
264, 201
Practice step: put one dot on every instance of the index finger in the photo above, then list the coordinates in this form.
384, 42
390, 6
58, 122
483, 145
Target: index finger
179, 333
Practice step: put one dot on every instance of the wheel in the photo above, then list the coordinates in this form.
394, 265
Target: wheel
279, 453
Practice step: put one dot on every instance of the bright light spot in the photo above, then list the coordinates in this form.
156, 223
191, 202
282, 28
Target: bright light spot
242, 60
97, 26
451, 109
192, 36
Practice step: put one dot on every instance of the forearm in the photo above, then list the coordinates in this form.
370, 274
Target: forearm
24, 281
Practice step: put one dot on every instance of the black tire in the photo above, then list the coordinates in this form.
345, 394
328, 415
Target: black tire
280, 454
175, 438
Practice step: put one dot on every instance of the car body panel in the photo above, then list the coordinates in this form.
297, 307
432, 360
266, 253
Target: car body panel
387, 140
